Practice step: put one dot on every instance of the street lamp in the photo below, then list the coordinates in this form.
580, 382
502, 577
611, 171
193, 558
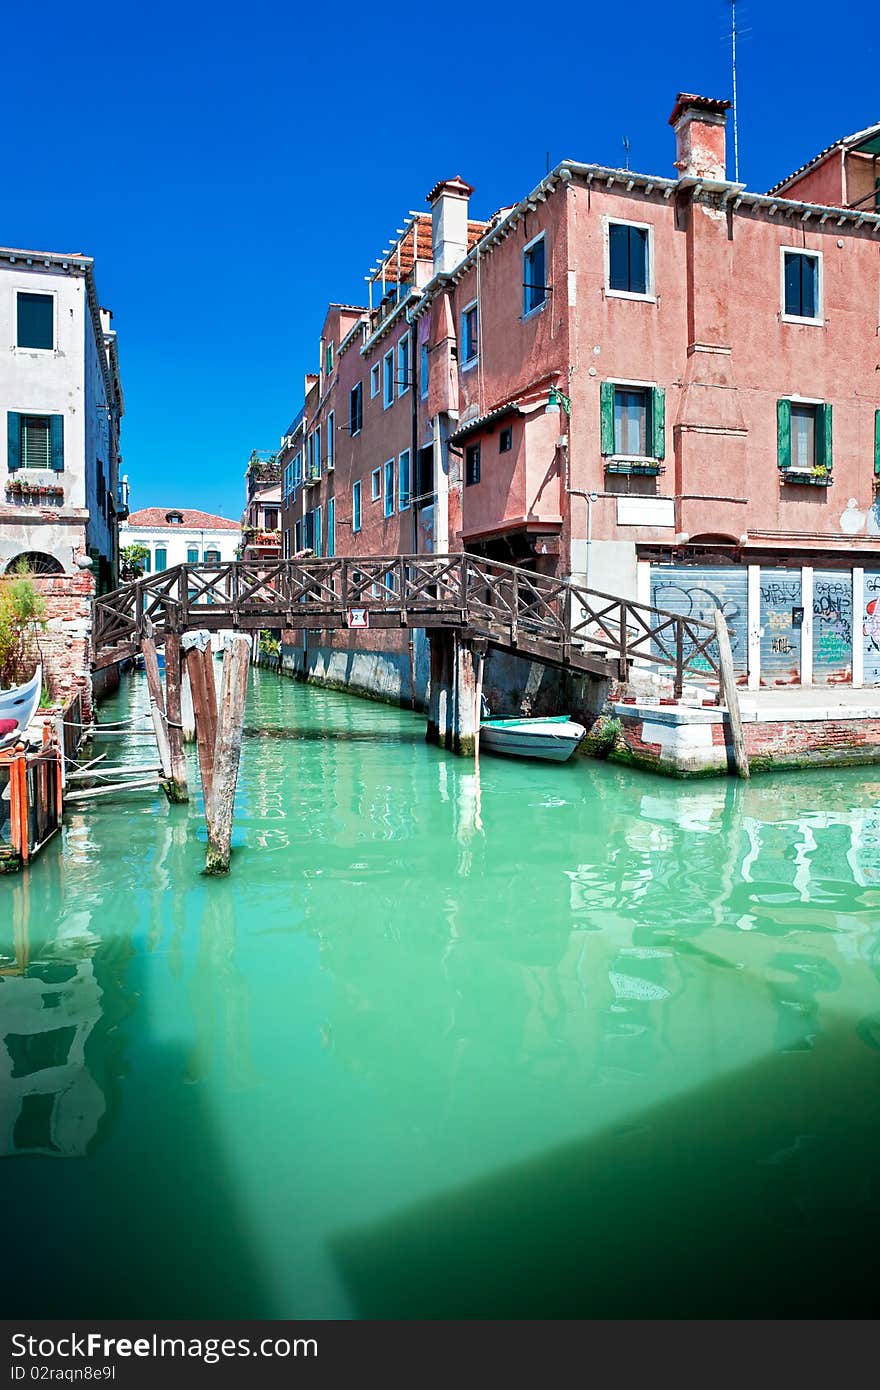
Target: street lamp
555, 399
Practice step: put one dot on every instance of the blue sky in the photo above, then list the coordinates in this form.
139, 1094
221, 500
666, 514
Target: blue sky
231, 170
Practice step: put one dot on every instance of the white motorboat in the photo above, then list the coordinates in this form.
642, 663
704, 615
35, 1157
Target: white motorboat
554, 738
19, 704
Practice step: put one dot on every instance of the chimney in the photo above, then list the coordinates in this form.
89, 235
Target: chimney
699, 136
449, 222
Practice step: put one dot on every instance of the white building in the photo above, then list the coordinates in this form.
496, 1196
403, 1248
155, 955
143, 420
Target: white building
179, 536
61, 404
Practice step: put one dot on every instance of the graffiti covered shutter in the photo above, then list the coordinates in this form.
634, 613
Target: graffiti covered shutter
697, 591
832, 626
871, 626
780, 635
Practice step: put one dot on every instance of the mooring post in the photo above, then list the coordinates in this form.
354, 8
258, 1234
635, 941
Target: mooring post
480, 647
157, 705
178, 789
200, 668
227, 755
731, 695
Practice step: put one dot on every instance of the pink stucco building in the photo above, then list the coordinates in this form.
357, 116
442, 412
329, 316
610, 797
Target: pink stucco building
665, 387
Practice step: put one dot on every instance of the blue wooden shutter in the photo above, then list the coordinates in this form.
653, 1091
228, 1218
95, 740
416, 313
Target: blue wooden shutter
658, 423
877, 439
783, 433
824, 455
56, 445
606, 412
13, 437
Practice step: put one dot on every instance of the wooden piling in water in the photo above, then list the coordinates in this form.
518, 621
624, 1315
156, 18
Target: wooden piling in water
227, 754
731, 695
157, 707
178, 789
200, 668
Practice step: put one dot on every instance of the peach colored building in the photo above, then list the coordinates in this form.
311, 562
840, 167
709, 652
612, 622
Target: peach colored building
664, 387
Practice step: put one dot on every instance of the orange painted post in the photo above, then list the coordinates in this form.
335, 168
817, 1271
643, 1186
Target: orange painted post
22, 784
14, 807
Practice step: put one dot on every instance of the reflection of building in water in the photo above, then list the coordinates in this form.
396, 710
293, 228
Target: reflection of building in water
56, 1070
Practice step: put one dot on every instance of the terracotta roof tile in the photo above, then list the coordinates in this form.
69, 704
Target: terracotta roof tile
195, 520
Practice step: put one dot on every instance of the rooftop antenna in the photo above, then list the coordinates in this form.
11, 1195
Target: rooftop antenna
548, 161
735, 34
626, 147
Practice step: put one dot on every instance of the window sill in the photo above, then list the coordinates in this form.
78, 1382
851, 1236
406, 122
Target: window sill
630, 294
809, 323
470, 364
532, 313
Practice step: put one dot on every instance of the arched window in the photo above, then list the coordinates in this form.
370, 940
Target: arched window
37, 561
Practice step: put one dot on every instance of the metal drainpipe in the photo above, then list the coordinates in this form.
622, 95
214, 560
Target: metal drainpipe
590, 498
413, 463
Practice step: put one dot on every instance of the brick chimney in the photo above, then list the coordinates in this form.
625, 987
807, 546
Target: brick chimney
449, 222
699, 136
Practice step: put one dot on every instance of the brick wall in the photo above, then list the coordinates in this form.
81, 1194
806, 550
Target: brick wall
65, 645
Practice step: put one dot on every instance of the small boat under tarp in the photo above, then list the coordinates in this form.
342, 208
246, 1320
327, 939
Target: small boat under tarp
554, 738
18, 707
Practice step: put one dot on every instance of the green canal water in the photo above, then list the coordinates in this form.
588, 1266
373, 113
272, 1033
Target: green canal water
570, 1041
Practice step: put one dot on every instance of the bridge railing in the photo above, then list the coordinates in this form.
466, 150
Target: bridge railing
511, 606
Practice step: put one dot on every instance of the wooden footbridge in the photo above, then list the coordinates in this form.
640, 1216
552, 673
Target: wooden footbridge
467, 604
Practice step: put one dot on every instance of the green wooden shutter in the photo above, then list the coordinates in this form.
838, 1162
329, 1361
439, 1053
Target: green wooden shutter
606, 413
877, 442
783, 433
823, 437
13, 436
658, 423
56, 444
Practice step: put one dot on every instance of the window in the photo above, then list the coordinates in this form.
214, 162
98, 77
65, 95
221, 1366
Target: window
328, 359
285, 545
331, 441
375, 484
34, 441
423, 369
802, 285
388, 379
389, 488
192, 555
298, 535
470, 335
310, 455
316, 471
309, 531
374, 380
633, 421
212, 557
161, 558
271, 519
356, 507
403, 366
331, 526
174, 518
629, 259
505, 440
146, 563
356, 408
534, 288
298, 469
404, 483
36, 321
424, 492
472, 464
804, 442
318, 531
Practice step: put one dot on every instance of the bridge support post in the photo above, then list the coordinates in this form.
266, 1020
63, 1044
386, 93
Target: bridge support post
177, 787
452, 696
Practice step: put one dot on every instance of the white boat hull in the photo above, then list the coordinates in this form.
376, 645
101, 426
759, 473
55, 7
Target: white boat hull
21, 704
533, 738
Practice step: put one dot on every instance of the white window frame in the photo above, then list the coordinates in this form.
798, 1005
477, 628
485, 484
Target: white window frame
375, 380
401, 505
404, 374
468, 363
376, 486
358, 386
650, 296
798, 318
538, 308
357, 514
29, 352
317, 528
317, 459
331, 527
388, 380
331, 441
388, 492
